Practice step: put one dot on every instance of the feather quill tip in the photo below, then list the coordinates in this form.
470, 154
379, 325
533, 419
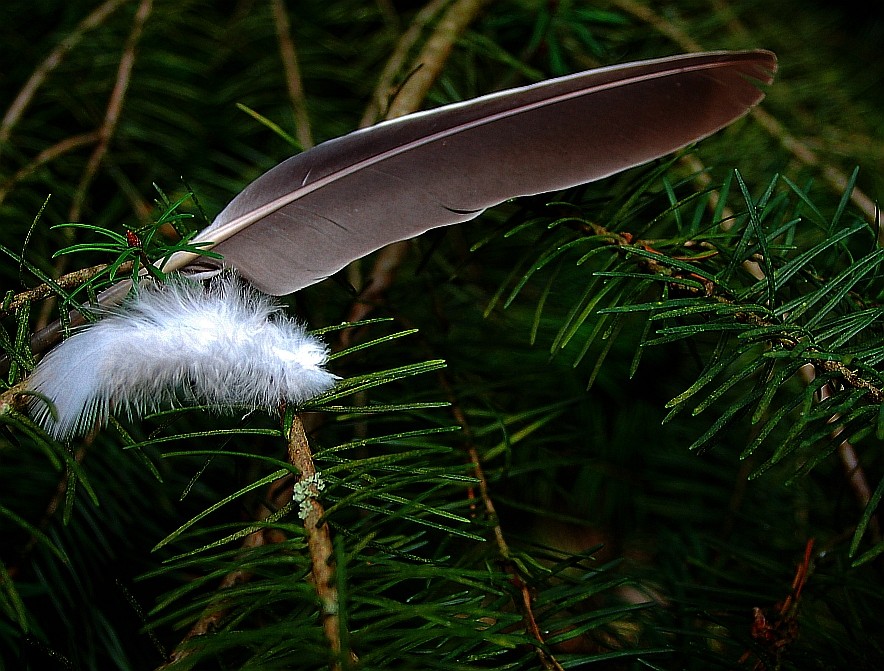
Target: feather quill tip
225, 345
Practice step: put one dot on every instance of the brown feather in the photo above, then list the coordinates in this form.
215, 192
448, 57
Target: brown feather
316, 212
313, 214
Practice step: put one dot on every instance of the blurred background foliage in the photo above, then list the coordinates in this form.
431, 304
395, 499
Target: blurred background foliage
634, 551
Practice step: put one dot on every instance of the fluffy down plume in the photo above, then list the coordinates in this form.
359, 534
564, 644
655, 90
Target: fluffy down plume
223, 345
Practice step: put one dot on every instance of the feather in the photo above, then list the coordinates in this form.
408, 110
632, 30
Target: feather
316, 212
313, 214
224, 345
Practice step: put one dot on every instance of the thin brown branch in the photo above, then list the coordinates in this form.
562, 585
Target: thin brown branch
432, 58
46, 156
114, 107
659, 23
292, 71
319, 540
853, 470
525, 602
72, 279
214, 614
384, 89
52, 61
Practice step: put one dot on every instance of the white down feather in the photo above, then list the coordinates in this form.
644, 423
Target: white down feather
223, 345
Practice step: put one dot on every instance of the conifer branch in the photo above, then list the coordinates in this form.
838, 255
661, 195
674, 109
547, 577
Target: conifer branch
319, 540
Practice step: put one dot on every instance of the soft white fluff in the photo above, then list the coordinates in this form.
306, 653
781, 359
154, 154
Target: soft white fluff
225, 345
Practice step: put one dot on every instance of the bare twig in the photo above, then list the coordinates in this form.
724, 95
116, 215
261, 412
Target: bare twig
384, 90
213, 615
833, 177
46, 156
114, 107
292, 74
856, 476
52, 61
659, 23
319, 540
431, 60
72, 279
525, 602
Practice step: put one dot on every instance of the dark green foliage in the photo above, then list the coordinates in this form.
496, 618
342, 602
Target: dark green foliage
658, 371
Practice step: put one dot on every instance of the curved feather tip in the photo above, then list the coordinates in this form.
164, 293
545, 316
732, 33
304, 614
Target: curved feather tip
225, 345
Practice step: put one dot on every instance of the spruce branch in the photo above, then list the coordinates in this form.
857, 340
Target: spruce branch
70, 280
319, 542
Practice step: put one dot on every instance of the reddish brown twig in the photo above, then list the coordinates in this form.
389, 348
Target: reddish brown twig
212, 616
384, 90
525, 603
775, 631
